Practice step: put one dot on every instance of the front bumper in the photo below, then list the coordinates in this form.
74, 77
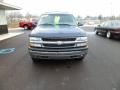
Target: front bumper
58, 54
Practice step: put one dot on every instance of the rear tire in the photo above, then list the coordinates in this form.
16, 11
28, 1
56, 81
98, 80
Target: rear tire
109, 35
26, 27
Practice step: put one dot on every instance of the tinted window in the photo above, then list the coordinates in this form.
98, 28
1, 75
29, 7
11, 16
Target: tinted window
116, 24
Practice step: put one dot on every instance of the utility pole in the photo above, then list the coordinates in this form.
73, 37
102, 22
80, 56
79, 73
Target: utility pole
111, 9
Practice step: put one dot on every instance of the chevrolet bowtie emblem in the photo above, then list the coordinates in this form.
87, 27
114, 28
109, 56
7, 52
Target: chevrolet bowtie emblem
59, 42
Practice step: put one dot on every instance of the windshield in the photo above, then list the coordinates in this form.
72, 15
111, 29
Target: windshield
57, 19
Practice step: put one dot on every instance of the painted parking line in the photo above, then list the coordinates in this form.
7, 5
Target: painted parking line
6, 51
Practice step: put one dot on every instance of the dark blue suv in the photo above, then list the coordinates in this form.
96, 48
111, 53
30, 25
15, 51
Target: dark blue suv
57, 36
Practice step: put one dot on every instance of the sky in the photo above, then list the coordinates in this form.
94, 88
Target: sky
76, 7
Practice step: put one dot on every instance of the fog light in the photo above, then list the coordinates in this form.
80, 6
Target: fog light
81, 44
35, 45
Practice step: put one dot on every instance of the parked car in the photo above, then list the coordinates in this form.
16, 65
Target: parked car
57, 36
28, 24
109, 28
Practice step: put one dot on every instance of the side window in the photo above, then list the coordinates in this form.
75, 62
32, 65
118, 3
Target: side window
107, 24
116, 24
113, 24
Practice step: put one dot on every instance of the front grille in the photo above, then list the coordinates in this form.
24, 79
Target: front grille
58, 39
57, 45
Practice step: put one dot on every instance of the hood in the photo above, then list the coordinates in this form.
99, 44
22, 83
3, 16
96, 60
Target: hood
57, 31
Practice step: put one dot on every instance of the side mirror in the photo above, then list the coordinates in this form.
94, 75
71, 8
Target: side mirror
80, 24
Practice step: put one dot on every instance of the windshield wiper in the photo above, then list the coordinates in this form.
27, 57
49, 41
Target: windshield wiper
65, 24
56, 24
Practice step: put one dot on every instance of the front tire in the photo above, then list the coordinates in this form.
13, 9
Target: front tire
80, 59
109, 35
96, 32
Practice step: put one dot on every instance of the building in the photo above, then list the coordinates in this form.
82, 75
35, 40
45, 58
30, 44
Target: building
3, 21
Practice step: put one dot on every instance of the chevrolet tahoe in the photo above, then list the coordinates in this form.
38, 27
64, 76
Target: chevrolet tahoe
57, 36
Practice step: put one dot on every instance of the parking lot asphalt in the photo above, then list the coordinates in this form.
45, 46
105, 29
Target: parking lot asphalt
100, 70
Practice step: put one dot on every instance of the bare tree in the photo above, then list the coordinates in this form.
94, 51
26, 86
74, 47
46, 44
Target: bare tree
14, 16
100, 18
28, 16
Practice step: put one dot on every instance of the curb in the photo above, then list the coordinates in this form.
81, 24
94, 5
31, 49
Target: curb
9, 35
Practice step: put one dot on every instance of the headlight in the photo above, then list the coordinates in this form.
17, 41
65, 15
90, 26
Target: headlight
82, 39
35, 42
35, 39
